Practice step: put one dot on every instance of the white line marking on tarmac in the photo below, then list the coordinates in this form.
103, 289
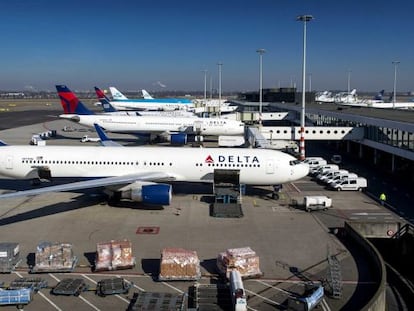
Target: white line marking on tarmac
325, 305
274, 287
89, 303
43, 295
263, 297
173, 287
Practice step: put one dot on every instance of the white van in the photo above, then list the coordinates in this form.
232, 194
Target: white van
338, 178
314, 162
331, 175
351, 184
323, 168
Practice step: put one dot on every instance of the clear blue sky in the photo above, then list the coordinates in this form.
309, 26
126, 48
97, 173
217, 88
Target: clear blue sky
132, 44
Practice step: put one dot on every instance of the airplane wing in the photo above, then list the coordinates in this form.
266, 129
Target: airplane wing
94, 183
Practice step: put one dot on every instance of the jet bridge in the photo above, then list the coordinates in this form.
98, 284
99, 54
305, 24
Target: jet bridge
227, 193
262, 136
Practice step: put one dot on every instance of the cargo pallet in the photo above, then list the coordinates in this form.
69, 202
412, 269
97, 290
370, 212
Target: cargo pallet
34, 283
70, 287
112, 287
9, 257
211, 297
157, 301
51, 268
18, 297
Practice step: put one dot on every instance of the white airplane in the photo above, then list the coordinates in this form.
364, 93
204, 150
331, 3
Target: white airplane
176, 128
121, 102
139, 173
110, 109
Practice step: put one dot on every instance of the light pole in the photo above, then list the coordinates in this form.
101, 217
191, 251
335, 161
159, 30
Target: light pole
304, 19
205, 86
219, 70
261, 52
349, 81
395, 62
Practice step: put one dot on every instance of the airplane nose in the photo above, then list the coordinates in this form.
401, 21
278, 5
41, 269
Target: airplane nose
302, 170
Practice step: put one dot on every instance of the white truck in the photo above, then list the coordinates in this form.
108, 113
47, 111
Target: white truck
358, 183
86, 139
340, 177
317, 202
331, 175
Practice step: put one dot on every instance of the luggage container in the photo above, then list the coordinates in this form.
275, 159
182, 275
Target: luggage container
54, 257
112, 287
34, 283
70, 287
9, 256
18, 297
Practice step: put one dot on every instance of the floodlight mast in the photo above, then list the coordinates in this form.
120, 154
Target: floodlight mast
261, 52
304, 19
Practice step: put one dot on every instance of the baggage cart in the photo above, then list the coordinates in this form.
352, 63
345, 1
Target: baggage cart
157, 301
112, 286
54, 257
9, 256
18, 297
34, 283
70, 287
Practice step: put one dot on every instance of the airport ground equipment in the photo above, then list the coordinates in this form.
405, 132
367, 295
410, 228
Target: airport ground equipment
238, 294
317, 202
113, 286
18, 297
54, 257
210, 297
114, 255
34, 283
333, 284
70, 287
227, 192
9, 256
178, 264
309, 300
157, 301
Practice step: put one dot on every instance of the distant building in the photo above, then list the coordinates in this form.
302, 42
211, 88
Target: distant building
276, 95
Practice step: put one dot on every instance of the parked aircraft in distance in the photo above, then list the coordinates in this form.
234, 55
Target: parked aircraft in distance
140, 174
121, 102
176, 128
108, 108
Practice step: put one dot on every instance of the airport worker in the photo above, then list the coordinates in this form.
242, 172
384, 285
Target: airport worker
382, 198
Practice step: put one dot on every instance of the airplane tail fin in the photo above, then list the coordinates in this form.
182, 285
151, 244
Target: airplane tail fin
146, 95
70, 103
106, 105
353, 92
105, 141
2, 143
117, 95
380, 95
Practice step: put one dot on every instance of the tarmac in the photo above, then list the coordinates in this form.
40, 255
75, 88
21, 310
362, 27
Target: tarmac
292, 244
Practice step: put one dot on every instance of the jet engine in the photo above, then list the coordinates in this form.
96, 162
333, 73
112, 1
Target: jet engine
178, 139
151, 193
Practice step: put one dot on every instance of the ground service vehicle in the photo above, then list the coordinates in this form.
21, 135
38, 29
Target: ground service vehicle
340, 177
320, 202
332, 174
358, 183
323, 168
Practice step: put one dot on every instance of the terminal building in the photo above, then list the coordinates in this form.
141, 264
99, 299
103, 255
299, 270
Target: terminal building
387, 141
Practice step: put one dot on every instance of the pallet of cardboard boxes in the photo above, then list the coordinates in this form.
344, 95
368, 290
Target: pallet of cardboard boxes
114, 255
179, 264
243, 259
54, 257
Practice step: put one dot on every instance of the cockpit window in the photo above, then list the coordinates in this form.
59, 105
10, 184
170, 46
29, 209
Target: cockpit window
294, 162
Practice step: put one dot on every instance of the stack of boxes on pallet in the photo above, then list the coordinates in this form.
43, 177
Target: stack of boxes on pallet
114, 255
53, 256
242, 259
179, 264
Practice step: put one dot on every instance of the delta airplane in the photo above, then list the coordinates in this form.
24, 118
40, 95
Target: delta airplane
177, 128
121, 102
140, 174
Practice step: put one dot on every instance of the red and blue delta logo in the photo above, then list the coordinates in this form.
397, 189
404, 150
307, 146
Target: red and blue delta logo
209, 159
